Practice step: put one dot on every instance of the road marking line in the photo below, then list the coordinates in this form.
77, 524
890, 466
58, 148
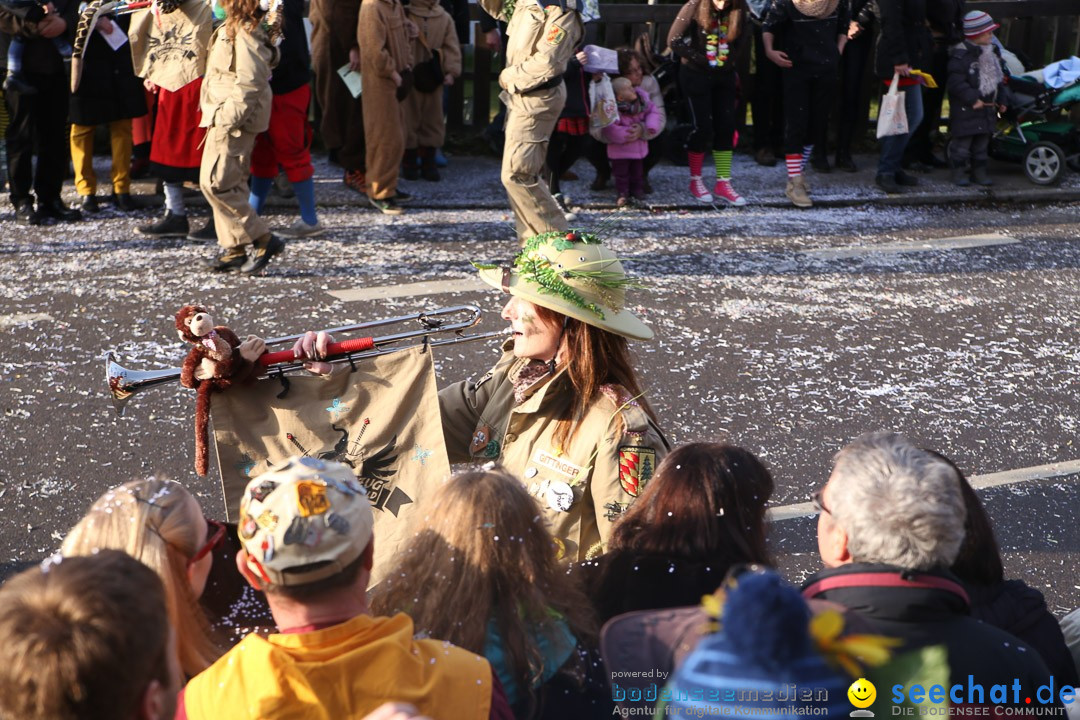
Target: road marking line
404, 290
979, 482
8, 321
948, 243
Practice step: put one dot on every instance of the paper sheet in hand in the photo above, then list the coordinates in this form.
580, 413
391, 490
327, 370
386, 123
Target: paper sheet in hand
116, 38
352, 80
601, 60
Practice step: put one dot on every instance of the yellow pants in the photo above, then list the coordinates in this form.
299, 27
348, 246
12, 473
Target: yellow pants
82, 157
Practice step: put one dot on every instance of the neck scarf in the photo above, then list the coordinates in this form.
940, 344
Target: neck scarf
816, 8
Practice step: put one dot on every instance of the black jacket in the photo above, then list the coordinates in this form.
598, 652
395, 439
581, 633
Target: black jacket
623, 581
108, 89
40, 55
809, 42
1020, 610
904, 37
294, 68
946, 18
963, 86
577, 97
932, 608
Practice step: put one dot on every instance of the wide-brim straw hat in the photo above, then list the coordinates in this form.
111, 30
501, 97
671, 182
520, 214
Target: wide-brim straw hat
573, 274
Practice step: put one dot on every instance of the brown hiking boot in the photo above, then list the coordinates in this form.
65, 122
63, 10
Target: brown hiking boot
796, 192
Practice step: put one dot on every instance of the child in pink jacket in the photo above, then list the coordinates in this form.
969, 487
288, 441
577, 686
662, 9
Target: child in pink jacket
628, 139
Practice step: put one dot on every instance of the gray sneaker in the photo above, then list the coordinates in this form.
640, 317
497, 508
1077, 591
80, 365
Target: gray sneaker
301, 229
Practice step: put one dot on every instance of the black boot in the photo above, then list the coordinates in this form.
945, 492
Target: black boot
979, 175
428, 170
409, 169
959, 174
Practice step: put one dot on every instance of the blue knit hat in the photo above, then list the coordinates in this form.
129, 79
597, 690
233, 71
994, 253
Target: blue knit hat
762, 658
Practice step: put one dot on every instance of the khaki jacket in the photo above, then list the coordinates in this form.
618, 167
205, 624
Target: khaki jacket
540, 42
438, 29
169, 49
236, 93
583, 488
384, 46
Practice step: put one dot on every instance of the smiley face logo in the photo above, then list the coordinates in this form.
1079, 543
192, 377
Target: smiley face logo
862, 693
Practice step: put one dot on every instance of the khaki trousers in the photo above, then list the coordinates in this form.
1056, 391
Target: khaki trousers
223, 179
82, 157
384, 136
530, 120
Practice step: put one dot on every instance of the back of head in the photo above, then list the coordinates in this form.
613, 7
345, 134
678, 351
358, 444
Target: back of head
483, 558
83, 638
706, 500
305, 527
158, 522
899, 504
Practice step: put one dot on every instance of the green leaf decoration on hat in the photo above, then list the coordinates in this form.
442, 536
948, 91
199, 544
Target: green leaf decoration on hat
535, 267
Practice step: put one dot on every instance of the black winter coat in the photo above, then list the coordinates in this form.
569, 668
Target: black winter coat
1021, 610
932, 608
963, 86
946, 18
108, 90
294, 67
623, 581
904, 37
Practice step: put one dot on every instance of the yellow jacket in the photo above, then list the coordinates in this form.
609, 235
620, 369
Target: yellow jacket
341, 673
582, 488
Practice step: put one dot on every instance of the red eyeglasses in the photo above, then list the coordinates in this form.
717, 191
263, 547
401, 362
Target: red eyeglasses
215, 534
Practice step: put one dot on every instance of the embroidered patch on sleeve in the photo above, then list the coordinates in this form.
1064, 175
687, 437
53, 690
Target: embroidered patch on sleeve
555, 35
636, 466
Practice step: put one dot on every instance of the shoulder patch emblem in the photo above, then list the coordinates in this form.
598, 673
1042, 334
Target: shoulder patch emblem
555, 35
636, 466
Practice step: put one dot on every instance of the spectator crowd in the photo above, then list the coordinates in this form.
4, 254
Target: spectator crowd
512, 597
483, 617
228, 108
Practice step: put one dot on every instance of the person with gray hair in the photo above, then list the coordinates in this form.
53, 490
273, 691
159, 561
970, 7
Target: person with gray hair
890, 523
897, 503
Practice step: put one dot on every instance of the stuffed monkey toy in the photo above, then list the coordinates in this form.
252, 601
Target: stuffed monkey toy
213, 363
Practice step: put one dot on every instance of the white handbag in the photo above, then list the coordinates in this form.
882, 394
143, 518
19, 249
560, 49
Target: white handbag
892, 116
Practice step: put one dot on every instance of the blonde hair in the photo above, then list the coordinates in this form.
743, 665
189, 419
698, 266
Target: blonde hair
483, 555
156, 521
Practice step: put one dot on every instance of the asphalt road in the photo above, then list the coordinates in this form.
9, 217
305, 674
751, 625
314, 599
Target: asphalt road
779, 330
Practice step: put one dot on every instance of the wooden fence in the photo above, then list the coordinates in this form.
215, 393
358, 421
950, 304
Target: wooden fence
1040, 30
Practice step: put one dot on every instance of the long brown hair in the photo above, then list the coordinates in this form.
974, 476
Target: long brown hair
592, 358
244, 14
706, 500
706, 14
483, 554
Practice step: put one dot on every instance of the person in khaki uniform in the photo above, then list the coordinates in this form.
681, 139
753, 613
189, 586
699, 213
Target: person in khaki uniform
542, 37
235, 101
384, 59
563, 408
425, 130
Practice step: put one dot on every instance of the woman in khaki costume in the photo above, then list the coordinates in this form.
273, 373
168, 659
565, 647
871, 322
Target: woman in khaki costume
563, 409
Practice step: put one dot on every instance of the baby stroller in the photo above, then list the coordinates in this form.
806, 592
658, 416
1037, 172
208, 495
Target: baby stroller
1039, 134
